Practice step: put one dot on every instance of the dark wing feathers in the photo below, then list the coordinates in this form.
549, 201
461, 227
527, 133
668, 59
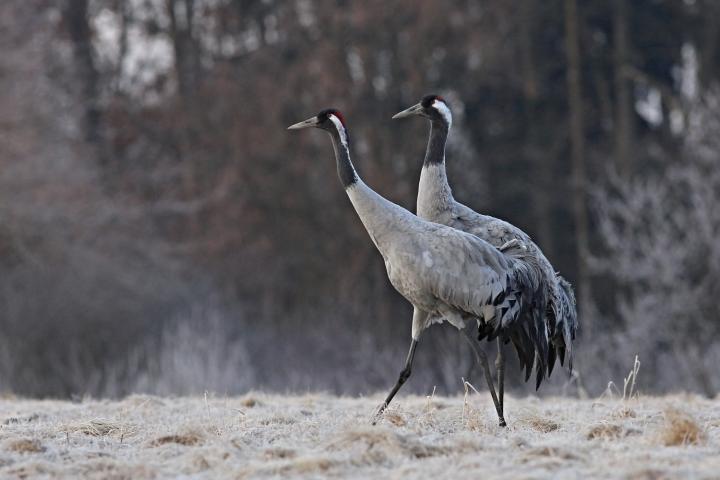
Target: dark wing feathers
475, 275
532, 299
520, 313
552, 355
563, 319
552, 312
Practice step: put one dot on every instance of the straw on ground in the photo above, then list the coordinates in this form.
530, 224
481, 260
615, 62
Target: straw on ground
313, 436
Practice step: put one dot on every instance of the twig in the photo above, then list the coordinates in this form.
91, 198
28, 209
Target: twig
630, 380
429, 400
465, 400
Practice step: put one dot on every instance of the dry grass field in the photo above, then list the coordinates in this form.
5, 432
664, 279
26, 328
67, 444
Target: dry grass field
318, 436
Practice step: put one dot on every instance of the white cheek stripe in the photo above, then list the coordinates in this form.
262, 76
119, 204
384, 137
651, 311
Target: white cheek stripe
340, 128
444, 111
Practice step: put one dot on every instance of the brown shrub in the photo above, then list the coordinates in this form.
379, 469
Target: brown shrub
395, 419
605, 431
188, 440
306, 465
279, 453
553, 452
25, 445
543, 425
100, 428
681, 429
249, 402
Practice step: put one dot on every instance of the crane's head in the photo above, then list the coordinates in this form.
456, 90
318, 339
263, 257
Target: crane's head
330, 120
433, 107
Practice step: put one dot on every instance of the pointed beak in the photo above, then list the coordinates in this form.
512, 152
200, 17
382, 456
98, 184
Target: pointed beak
310, 122
414, 110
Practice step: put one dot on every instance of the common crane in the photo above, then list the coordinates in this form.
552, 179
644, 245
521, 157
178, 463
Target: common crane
435, 202
446, 274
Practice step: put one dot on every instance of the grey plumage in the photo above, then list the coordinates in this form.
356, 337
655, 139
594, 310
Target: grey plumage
436, 203
445, 273
560, 318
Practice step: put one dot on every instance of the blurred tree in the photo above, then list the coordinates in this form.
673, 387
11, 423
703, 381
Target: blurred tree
76, 19
154, 130
660, 246
577, 147
624, 105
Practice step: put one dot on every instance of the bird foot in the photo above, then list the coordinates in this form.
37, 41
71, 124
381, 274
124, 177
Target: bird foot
502, 422
378, 414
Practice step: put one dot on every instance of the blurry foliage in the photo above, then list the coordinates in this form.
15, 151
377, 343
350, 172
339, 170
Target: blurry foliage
662, 252
146, 171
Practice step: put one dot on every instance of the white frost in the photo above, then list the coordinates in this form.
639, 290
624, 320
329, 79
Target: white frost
315, 435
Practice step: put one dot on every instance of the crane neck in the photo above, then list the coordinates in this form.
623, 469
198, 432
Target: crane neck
435, 152
382, 219
435, 199
345, 169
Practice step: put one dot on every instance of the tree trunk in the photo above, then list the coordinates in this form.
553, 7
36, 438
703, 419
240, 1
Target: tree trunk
530, 88
542, 195
623, 96
710, 41
76, 18
125, 20
184, 47
577, 147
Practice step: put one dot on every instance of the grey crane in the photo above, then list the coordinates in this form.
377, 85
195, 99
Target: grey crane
435, 202
446, 274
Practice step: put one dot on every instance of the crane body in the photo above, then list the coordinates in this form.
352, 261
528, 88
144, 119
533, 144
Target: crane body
435, 202
446, 274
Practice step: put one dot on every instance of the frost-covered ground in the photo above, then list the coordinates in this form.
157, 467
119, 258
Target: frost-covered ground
314, 436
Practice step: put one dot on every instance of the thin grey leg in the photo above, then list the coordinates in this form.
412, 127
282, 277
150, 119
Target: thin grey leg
483, 361
404, 375
500, 367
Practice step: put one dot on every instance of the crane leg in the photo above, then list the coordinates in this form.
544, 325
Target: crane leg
482, 359
500, 367
404, 375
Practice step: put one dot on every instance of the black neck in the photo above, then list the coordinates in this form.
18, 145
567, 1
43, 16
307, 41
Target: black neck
345, 168
435, 153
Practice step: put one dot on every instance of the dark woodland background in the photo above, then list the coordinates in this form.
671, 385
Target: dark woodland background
161, 231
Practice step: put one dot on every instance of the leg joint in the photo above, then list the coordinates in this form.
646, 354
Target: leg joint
481, 353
